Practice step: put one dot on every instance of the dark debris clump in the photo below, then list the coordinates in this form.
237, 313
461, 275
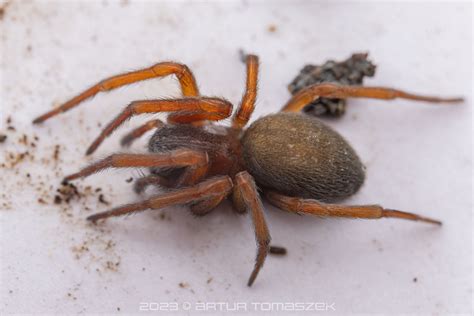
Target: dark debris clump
349, 72
66, 193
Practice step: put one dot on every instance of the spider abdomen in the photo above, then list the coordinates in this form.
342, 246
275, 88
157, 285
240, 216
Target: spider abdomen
298, 155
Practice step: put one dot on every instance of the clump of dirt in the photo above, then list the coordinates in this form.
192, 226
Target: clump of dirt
66, 193
29, 169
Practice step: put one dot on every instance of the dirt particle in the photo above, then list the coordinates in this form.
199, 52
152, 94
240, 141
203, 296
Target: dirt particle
57, 150
183, 285
128, 180
10, 127
57, 199
3, 138
23, 140
272, 28
276, 250
209, 280
102, 200
41, 201
415, 280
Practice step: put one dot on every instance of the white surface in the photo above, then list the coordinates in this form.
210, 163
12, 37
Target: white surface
418, 158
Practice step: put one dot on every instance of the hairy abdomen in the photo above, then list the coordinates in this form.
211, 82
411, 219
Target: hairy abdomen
298, 155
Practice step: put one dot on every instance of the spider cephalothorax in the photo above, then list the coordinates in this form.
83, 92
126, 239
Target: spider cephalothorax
299, 163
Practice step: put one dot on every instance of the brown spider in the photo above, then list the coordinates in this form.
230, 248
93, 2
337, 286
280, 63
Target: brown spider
300, 164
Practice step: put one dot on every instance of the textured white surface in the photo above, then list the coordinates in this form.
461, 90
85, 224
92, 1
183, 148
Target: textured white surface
418, 158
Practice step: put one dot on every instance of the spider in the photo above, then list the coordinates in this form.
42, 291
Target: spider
300, 164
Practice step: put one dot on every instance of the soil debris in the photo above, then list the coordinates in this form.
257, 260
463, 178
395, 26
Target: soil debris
57, 149
276, 250
67, 192
102, 200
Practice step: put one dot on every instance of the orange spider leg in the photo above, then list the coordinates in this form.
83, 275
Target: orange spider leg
193, 173
138, 132
251, 200
177, 158
299, 205
331, 90
219, 186
211, 108
183, 73
152, 179
247, 105
196, 118
207, 205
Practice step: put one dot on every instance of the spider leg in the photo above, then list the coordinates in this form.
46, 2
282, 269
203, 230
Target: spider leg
210, 108
177, 158
219, 186
247, 105
299, 205
203, 207
138, 132
191, 175
152, 179
250, 198
183, 73
197, 118
331, 90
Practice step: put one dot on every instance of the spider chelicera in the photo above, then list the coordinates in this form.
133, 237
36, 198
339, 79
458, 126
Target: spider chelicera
300, 164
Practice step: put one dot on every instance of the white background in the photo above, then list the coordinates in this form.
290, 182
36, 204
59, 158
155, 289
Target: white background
418, 158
